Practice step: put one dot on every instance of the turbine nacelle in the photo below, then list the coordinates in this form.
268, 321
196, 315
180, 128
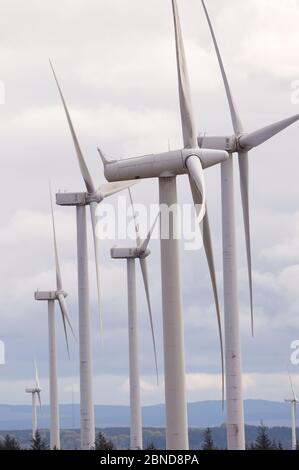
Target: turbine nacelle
160, 165
49, 295
78, 199
46, 295
230, 144
244, 142
227, 143
85, 198
129, 253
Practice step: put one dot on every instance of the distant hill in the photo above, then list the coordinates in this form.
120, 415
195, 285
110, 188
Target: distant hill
201, 414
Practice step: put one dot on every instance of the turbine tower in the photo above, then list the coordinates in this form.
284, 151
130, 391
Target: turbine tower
35, 391
240, 143
90, 198
294, 402
140, 252
51, 296
166, 167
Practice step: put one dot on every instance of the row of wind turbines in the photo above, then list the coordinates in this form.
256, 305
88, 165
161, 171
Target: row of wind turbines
197, 154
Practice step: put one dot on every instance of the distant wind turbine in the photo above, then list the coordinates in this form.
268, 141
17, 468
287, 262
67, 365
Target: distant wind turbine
35, 391
51, 296
92, 197
140, 252
294, 402
240, 143
166, 167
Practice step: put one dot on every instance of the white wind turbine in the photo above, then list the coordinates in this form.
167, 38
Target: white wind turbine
294, 402
240, 143
92, 197
51, 296
166, 166
141, 252
35, 391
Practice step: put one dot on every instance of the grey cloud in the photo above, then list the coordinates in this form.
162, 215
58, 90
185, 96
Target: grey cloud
116, 64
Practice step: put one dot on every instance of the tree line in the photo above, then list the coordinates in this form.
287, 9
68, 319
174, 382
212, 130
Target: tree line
262, 442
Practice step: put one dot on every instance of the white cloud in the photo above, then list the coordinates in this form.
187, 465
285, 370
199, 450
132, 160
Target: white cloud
272, 47
287, 251
289, 279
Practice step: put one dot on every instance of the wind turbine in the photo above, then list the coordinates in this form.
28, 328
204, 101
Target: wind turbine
141, 252
166, 166
36, 390
240, 143
51, 296
92, 197
294, 402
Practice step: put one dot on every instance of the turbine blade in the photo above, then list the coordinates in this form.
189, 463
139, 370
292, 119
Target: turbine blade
292, 387
207, 242
64, 329
236, 120
243, 159
196, 174
57, 266
248, 141
188, 126
138, 240
39, 399
65, 314
109, 189
143, 266
145, 242
244, 183
36, 375
93, 208
83, 167
65, 319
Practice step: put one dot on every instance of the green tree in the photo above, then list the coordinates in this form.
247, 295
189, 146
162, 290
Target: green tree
38, 443
9, 443
150, 447
279, 447
208, 443
263, 442
102, 443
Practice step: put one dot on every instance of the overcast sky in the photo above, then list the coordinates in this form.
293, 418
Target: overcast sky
116, 63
